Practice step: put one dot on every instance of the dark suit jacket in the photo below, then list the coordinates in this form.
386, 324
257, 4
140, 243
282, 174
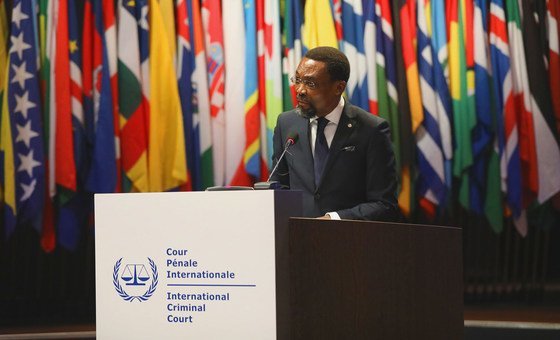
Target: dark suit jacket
359, 180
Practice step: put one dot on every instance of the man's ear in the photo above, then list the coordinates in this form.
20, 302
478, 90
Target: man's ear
340, 87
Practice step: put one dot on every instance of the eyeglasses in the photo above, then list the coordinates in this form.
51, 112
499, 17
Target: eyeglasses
310, 84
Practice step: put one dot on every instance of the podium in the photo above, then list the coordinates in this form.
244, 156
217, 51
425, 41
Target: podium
374, 280
213, 265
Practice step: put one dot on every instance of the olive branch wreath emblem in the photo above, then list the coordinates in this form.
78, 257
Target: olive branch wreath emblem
130, 298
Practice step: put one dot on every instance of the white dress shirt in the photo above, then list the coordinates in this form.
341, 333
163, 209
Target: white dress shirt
333, 117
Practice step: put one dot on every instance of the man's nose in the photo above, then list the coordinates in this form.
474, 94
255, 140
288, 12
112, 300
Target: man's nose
301, 89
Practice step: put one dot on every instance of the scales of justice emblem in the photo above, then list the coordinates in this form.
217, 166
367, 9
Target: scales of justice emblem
135, 276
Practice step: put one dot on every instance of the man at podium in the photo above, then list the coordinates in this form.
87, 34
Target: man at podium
338, 155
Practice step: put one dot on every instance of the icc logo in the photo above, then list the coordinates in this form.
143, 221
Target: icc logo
139, 282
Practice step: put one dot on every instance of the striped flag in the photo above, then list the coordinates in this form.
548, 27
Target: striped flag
408, 26
202, 120
407, 171
431, 187
273, 67
293, 49
103, 174
546, 138
234, 47
506, 124
74, 209
523, 104
185, 68
132, 102
337, 16
386, 82
370, 51
251, 159
319, 29
553, 18
110, 35
167, 163
212, 21
461, 57
25, 189
261, 85
3, 64
441, 78
353, 48
485, 174
482, 133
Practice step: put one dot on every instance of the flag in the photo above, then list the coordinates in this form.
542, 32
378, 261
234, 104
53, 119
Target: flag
546, 138
431, 186
25, 190
371, 39
261, 87
386, 71
438, 39
273, 69
406, 202
103, 172
293, 49
460, 77
7, 171
212, 21
370, 51
74, 206
185, 69
353, 48
408, 42
110, 34
132, 102
167, 162
554, 56
482, 133
497, 66
47, 25
505, 123
251, 159
201, 96
337, 17
234, 47
523, 104
3, 64
319, 29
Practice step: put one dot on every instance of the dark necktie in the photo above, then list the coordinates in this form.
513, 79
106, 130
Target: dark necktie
321, 149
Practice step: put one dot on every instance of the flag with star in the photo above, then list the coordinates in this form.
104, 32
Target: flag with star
25, 109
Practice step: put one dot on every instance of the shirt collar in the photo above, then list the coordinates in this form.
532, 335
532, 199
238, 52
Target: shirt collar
334, 115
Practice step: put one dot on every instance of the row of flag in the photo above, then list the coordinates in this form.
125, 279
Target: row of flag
159, 95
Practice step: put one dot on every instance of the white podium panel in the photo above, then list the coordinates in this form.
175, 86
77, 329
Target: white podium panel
194, 265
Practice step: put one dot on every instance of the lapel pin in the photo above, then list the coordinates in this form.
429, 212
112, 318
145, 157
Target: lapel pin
349, 125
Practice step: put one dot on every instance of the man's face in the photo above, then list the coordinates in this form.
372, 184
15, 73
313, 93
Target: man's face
316, 93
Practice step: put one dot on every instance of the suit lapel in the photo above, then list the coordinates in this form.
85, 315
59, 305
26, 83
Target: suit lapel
346, 126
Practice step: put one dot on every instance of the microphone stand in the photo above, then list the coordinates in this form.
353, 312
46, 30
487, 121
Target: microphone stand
274, 184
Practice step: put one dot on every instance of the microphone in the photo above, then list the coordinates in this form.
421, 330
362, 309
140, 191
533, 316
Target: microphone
291, 140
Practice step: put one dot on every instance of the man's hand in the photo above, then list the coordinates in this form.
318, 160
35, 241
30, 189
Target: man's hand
326, 217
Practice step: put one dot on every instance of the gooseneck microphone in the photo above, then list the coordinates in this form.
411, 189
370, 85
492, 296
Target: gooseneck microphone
291, 140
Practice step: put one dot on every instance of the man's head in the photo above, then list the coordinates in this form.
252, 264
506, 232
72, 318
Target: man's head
320, 80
